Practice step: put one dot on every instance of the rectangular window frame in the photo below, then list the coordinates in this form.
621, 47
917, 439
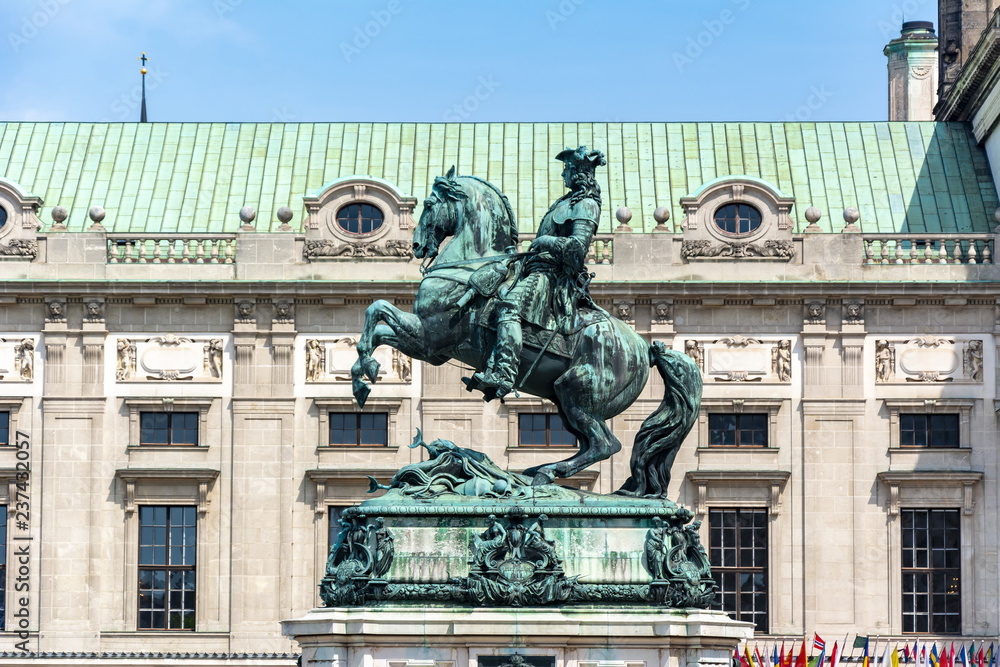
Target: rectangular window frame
910, 551
771, 407
11, 406
187, 606
934, 489
961, 407
137, 406
171, 429
762, 620
548, 416
740, 417
170, 487
324, 406
359, 429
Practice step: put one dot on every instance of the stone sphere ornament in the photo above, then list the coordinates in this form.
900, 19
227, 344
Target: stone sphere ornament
247, 214
813, 215
851, 215
285, 214
661, 215
97, 213
59, 214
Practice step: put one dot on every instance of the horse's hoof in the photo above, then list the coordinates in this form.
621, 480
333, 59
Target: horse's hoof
542, 477
361, 391
371, 367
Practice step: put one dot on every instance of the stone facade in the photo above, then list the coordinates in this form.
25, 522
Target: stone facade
257, 347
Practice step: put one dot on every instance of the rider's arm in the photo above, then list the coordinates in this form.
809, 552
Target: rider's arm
572, 250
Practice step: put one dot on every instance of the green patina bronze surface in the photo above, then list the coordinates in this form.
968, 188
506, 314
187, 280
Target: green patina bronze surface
525, 322
480, 535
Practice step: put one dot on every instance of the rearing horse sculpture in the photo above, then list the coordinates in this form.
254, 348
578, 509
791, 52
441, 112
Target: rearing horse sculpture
591, 375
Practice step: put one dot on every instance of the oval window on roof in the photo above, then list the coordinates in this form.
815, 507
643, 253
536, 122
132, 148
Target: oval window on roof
3, 217
359, 218
737, 219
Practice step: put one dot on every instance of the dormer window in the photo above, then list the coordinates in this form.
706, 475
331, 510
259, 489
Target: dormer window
737, 219
359, 218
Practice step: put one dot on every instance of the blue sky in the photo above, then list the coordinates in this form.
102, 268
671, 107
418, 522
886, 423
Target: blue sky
449, 60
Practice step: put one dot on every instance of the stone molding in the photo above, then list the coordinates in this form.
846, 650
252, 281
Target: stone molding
910, 487
325, 240
19, 236
133, 477
703, 239
772, 481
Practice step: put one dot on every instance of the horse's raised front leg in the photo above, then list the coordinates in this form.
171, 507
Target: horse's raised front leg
403, 331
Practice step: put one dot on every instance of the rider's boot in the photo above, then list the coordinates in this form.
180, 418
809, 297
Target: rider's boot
501, 372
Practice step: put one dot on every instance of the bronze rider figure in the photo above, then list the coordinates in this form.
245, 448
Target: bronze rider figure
553, 282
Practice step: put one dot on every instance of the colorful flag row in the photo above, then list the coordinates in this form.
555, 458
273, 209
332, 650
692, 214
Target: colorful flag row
921, 655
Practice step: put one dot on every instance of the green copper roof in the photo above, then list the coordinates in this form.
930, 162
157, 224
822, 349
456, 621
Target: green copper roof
195, 177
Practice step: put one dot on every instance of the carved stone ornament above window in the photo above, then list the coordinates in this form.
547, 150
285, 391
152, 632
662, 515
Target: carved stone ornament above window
170, 358
372, 199
929, 359
19, 214
738, 218
329, 359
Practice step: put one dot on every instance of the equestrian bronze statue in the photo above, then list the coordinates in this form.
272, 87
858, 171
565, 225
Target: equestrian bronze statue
525, 322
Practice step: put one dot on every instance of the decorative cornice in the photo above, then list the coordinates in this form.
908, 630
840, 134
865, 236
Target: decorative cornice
979, 74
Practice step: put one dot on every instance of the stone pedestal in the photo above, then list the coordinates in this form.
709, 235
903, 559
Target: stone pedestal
426, 636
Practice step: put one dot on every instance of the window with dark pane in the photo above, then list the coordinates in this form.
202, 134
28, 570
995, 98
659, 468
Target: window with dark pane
739, 554
737, 219
359, 428
167, 545
931, 564
168, 428
929, 430
4, 430
359, 218
737, 430
3, 217
3, 566
334, 512
543, 429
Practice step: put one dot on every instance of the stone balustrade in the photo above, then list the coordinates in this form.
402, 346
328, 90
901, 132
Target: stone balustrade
171, 248
928, 248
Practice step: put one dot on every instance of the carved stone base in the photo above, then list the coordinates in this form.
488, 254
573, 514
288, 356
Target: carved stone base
532, 637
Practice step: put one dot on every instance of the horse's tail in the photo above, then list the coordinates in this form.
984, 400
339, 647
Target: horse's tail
662, 433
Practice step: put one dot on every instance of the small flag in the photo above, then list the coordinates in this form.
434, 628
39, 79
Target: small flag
801, 660
834, 657
963, 658
864, 658
934, 659
818, 643
894, 657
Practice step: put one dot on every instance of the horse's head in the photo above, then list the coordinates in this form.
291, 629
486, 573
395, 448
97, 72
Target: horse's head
470, 209
440, 216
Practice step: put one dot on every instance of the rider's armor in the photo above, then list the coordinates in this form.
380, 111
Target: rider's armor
548, 292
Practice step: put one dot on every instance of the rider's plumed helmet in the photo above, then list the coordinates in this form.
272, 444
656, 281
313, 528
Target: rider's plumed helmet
582, 160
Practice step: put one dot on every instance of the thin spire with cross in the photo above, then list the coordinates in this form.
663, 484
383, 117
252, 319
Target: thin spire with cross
142, 112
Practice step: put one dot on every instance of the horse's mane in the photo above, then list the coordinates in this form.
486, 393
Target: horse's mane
511, 218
